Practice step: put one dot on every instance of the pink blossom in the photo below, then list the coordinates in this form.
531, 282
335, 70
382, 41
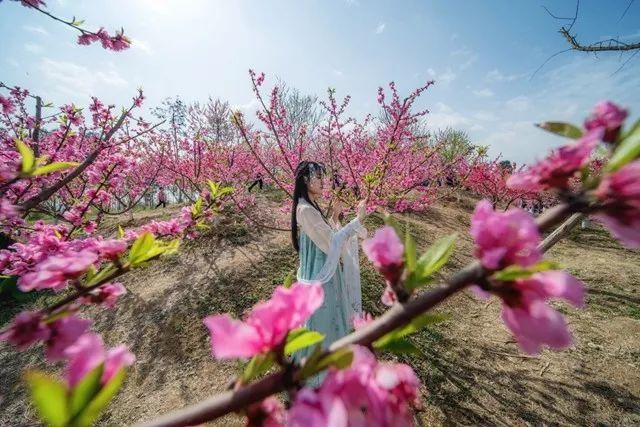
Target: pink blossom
608, 116
87, 38
361, 320
27, 328
32, 3
54, 272
9, 213
386, 252
106, 294
116, 359
525, 309
559, 167
313, 409
504, 238
64, 332
7, 105
111, 249
88, 352
384, 248
90, 227
268, 413
268, 323
367, 393
619, 196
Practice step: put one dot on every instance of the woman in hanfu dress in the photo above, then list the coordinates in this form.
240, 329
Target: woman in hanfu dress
328, 256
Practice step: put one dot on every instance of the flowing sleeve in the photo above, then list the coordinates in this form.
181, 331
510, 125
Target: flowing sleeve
320, 232
341, 242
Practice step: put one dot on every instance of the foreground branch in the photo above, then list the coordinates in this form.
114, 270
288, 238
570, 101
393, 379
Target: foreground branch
396, 316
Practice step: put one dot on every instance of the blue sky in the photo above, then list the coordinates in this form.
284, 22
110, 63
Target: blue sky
481, 54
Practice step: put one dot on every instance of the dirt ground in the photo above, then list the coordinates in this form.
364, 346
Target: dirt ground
472, 371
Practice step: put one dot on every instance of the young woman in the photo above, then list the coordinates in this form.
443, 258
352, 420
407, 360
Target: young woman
328, 255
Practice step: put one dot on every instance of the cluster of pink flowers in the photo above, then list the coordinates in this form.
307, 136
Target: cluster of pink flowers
510, 238
67, 338
7, 105
619, 196
55, 272
266, 325
106, 295
556, 171
608, 117
33, 3
504, 238
88, 352
367, 393
116, 43
386, 252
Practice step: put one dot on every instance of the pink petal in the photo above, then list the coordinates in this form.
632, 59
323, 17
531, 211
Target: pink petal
232, 338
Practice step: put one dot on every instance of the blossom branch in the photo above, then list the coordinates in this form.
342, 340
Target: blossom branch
396, 316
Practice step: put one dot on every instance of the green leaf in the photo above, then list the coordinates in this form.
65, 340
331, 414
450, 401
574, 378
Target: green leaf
91, 412
302, 340
141, 247
514, 272
53, 167
311, 363
566, 130
628, 150
288, 281
340, 359
258, 365
49, 396
634, 128
398, 346
100, 275
431, 261
120, 232
28, 158
415, 325
196, 208
409, 251
85, 390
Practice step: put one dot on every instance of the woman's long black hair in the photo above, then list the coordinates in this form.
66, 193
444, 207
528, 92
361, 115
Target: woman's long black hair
304, 171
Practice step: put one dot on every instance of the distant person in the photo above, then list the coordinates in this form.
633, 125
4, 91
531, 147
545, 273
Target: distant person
258, 181
162, 199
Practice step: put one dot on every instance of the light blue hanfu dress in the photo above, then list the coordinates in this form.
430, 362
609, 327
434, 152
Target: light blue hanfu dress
329, 258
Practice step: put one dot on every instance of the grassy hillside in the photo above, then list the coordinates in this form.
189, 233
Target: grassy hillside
471, 370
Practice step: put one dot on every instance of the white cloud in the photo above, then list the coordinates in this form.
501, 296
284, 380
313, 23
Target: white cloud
36, 29
496, 76
249, 107
519, 103
485, 116
77, 80
380, 28
444, 78
444, 116
33, 48
483, 93
337, 73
